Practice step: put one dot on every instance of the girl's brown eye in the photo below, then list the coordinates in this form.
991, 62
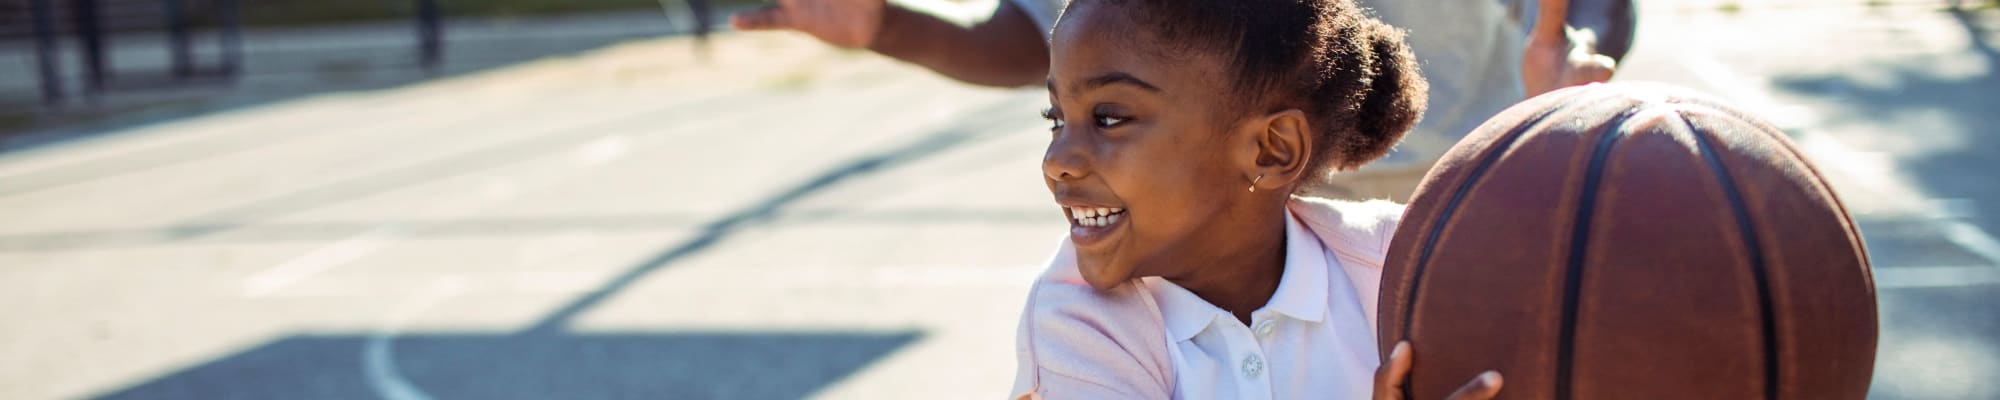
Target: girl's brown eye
1055, 121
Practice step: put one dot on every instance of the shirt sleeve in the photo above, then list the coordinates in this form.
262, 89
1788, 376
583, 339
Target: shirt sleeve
1083, 350
1076, 342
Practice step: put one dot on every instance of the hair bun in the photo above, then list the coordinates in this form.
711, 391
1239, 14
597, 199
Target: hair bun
1395, 97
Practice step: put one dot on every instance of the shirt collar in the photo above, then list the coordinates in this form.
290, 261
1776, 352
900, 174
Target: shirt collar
1302, 289
1301, 294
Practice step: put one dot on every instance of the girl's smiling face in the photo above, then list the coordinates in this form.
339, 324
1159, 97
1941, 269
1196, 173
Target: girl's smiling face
1144, 138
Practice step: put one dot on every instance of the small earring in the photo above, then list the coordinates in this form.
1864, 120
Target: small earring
1253, 183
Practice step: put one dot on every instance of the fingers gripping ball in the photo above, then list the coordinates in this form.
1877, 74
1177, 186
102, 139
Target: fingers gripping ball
1630, 241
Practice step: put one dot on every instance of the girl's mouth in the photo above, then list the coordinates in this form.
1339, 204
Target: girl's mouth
1095, 216
1092, 224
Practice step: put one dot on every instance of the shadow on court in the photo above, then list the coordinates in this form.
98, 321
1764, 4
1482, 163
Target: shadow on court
1954, 111
1937, 342
747, 365
546, 360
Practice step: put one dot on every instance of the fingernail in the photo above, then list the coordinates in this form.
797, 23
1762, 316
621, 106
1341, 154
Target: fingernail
1490, 378
1401, 347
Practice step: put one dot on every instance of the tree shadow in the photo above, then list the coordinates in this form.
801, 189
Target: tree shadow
745, 365
546, 360
1960, 170
1936, 342
282, 232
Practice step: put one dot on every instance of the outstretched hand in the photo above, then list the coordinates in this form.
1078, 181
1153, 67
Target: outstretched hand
844, 23
1389, 379
1558, 56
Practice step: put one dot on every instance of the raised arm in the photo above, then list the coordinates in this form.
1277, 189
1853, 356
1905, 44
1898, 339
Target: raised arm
1574, 42
997, 46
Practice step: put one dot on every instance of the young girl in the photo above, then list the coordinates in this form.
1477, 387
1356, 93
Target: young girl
1181, 130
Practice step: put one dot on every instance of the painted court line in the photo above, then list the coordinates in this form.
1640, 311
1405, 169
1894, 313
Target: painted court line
316, 261
1932, 277
378, 355
1972, 239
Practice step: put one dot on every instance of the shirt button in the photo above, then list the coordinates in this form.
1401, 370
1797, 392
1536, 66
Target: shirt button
1264, 328
1253, 366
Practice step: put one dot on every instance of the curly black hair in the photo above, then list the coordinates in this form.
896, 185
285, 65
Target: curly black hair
1350, 73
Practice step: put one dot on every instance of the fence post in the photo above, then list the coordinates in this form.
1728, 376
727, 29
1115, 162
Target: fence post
429, 42
46, 52
232, 37
92, 38
179, 50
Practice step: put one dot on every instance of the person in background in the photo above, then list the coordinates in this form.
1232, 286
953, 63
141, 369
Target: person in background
1480, 56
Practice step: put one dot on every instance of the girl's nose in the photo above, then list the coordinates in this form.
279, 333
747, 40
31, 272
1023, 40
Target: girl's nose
1066, 159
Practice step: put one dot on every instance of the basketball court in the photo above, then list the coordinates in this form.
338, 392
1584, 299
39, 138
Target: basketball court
783, 220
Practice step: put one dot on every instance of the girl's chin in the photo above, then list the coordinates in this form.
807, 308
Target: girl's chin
1101, 274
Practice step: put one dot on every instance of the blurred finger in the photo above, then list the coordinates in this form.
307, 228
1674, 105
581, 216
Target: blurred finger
1482, 387
1389, 377
767, 18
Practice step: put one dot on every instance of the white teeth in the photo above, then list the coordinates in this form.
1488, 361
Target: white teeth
1094, 216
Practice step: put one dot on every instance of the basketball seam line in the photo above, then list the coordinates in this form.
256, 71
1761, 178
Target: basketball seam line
1579, 242
1826, 187
1451, 207
1750, 244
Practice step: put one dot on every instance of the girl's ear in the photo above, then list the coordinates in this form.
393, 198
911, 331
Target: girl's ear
1278, 147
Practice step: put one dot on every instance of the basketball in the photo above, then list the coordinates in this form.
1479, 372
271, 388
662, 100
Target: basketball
1630, 241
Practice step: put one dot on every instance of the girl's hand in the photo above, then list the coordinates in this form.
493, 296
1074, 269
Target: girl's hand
1389, 379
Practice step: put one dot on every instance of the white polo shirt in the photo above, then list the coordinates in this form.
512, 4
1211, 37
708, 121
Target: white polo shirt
1149, 339
1312, 340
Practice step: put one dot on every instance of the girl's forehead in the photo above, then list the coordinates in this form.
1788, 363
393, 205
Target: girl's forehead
1093, 39
1084, 23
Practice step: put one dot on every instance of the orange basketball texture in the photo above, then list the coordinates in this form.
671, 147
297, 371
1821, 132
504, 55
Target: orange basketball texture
1630, 241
